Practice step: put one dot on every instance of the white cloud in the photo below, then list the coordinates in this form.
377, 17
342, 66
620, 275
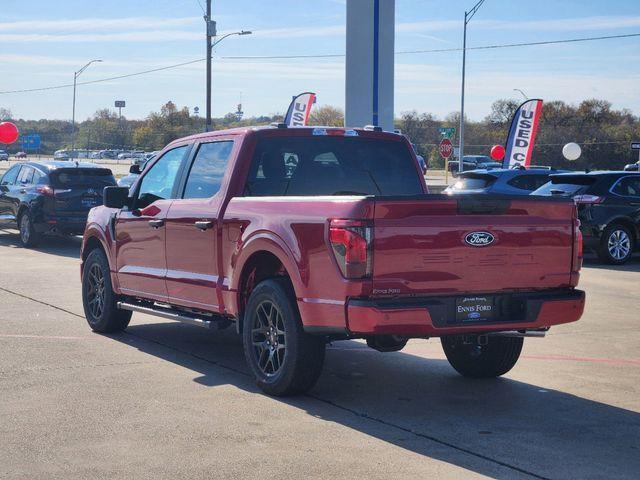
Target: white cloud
93, 24
302, 32
151, 29
134, 37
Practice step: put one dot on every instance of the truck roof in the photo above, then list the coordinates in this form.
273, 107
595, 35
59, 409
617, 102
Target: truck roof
262, 129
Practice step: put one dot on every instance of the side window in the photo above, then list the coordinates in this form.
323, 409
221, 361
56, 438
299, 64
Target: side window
207, 170
634, 186
523, 182
26, 176
628, 187
37, 176
9, 178
539, 180
158, 182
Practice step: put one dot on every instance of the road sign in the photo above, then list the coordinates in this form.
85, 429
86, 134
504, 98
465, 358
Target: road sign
446, 148
30, 142
120, 103
447, 132
635, 146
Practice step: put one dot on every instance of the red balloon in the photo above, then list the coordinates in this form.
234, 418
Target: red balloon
497, 152
8, 132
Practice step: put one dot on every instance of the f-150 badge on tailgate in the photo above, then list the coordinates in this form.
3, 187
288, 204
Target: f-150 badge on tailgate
479, 239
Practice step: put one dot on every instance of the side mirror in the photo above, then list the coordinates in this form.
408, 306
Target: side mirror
115, 197
135, 168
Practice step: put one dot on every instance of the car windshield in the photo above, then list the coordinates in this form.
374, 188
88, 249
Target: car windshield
332, 165
565, 185
82, 177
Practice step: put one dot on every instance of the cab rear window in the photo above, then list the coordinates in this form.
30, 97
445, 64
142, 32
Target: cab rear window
328, 165
82, 177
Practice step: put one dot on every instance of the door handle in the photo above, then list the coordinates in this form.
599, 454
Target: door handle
203, 224
23, 190
156, 223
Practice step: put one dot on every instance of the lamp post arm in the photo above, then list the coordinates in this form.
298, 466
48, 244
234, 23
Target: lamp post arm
469, 15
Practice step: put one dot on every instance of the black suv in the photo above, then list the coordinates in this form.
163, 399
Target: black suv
51, 197
608, 208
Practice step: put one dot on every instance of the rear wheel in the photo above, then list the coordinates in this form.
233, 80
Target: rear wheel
98, 299
283, 358
28, 235
616, 245
473, 360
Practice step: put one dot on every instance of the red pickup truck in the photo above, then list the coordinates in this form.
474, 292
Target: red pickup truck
300, 236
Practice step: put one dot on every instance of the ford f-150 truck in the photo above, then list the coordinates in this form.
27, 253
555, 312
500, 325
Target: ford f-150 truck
301, 236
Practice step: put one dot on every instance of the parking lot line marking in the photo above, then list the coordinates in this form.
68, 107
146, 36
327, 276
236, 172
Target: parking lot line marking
613, 361
45, 337
41, 302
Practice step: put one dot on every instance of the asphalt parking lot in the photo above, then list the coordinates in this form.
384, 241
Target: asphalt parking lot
165, 400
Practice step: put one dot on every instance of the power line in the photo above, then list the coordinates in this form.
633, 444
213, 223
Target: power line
54, 87
337, 55
438, 50
527, 44
201, 7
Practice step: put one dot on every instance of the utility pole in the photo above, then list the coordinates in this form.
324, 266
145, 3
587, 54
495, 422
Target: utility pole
467, 18
211, 32
73, 115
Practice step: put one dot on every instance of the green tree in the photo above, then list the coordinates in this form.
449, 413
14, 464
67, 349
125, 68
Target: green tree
327, 116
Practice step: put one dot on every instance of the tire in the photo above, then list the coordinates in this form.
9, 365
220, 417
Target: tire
98, 299
28, 235
495, 358
283, 359
616, 245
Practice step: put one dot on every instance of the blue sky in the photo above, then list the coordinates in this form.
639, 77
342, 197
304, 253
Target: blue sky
43, 42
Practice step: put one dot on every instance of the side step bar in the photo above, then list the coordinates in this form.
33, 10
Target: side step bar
183, 317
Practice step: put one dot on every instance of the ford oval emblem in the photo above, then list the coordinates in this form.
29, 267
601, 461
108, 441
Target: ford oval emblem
479, 239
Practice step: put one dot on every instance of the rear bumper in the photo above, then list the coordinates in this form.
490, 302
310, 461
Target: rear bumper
63, 225
435, 317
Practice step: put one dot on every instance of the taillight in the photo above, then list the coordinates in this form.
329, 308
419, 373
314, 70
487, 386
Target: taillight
45, 190
588, 199
351, 242
578, 246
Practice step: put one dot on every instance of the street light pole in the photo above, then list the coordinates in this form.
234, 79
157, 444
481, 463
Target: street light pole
467, 18
73, 115
521, 93
211, 32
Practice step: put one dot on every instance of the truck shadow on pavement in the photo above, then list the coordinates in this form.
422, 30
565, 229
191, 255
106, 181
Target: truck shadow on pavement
51, 245
501, 428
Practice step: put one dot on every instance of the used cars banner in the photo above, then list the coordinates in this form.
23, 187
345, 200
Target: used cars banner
299, 110
522, 134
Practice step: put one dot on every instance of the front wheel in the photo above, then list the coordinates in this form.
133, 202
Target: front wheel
283, 358
98, 299
473, 360
616, 245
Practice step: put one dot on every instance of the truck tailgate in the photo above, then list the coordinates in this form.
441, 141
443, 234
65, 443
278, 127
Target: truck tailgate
426, 245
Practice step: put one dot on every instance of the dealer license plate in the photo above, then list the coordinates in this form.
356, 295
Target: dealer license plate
473, 309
